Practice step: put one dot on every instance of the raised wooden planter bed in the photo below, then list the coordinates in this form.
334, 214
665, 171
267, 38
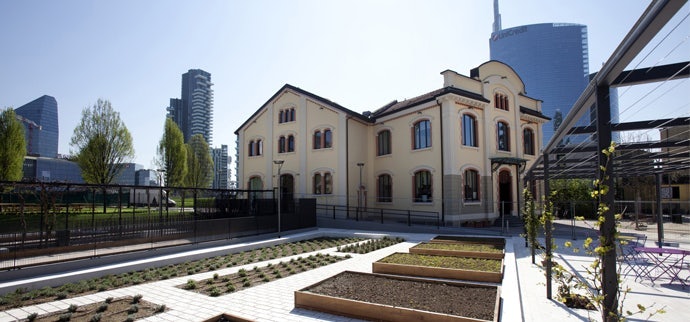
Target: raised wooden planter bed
459, 249
469, 240
397, 298
225, 317
452, 268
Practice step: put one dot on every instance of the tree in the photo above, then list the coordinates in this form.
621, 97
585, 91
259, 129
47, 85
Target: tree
199, 163
102, 144
12, 146
172, 155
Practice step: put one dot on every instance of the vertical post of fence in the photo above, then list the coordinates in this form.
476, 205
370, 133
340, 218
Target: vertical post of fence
382, 216
409, 218
119, 211
334, 212
67, 210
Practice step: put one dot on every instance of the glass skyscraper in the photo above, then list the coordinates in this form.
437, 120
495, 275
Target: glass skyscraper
551, 58
40, 120
220, 164
193, 113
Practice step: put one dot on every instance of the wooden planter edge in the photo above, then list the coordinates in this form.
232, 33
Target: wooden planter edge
381, 312
457, 253
438, 272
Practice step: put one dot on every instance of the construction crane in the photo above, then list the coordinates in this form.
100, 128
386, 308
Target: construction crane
31, 125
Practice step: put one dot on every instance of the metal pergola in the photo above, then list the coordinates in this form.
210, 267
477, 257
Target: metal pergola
561, 160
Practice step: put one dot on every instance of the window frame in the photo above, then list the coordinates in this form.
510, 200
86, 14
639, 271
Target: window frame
528, 143
421, 136
505, 138
473, 175
322, 183
383, 143
384, 188
422, 182
474, 134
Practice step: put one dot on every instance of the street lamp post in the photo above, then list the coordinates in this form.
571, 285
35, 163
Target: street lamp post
359, 188
280, 165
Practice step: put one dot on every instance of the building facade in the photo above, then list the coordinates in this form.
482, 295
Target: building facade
220, 167
552, 59
41, 130
457, 151
193, 113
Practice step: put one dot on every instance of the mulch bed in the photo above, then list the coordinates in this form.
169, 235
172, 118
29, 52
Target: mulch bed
469, 301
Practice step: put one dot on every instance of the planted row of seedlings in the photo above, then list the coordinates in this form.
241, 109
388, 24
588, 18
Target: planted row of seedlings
380, 297
121, 309
246, 278
23, 297
370, 245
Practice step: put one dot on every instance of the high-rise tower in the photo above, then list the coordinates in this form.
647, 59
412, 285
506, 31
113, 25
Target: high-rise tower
40, 120
193, 113
551, 58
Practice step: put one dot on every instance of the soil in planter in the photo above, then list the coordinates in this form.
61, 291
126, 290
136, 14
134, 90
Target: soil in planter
577, 301
117, 310
465, 239
469, 301
466, 263
484, 248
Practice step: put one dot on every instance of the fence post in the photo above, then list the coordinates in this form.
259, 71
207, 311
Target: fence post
382, 216
356, 213
409, 219
334, 212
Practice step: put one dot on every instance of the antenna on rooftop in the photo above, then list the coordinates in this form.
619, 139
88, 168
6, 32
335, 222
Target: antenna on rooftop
497, 17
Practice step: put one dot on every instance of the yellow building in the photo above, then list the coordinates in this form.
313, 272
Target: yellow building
457, 151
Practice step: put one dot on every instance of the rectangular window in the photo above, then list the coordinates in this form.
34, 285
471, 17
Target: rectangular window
422, 186
385, 188
317, 140
327, 139
422, 134
469, 130
471, 185
383, 143
317, 184
503, 135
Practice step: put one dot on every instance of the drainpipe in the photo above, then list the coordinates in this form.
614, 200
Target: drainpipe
347, 167
443, 203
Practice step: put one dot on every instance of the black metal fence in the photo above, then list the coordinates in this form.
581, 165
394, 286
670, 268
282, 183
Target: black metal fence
49, 222
381, 215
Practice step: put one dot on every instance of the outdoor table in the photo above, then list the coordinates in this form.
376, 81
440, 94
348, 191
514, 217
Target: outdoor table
666, 262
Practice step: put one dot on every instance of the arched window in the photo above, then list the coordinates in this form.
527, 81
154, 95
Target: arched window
291, 143
255, 183
422, 186
281, 144
471, 185
327, 138
469, 130
323, 139
259, 147
251, 148
501, 102
503, 136
384, 189
528, 140
292, 115
421, 134
281, 118
383, 143
317, 140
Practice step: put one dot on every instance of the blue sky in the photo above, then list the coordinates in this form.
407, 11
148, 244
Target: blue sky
360, 54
